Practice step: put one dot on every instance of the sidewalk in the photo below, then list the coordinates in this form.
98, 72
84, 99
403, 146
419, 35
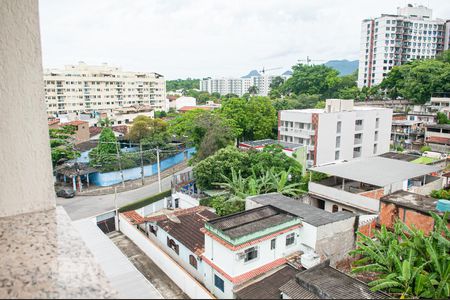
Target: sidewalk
131, 184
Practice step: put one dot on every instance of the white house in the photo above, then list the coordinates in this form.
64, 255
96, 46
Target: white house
341, 131
182, 101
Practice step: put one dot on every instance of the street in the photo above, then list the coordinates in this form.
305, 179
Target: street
80, 207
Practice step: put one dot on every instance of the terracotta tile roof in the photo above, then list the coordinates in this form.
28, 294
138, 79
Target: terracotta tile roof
134, 217
264, 238
53, 122
438, 140
248, 275
75, 123
93, 130
188, 108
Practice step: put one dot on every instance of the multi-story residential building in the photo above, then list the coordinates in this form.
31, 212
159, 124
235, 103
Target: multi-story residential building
341, 131
240, 86
407, 133
83, 87
437, 136
391, 40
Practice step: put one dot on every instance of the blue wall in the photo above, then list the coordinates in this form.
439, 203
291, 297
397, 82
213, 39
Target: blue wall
110, 178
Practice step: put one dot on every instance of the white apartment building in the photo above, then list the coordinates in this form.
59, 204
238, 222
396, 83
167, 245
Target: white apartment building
240, 86
391, 40
341, 131
84, 87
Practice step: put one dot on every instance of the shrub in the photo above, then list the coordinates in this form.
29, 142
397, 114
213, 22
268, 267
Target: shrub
441, 194
144, 202
425, 148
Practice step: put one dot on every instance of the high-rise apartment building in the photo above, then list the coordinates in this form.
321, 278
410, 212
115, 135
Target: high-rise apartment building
341, 131
85, 87
240, 86
391, 40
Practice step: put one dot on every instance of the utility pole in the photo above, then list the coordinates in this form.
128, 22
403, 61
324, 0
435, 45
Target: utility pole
120, 164
142, 163
159, 169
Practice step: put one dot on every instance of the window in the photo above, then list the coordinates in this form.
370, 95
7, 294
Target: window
172, 245
336, 155
338, 141
377, 122
358, 138
338, 127
376, 136
218, 283
273, 243
250, 254
290, 239
375, 146
356, 152
193, 261
334, 208
153, 229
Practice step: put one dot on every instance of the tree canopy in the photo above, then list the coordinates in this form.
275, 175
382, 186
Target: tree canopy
61, 144
419, 79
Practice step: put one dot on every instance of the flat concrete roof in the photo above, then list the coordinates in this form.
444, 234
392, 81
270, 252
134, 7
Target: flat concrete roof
122, 274
417, 202
376, 170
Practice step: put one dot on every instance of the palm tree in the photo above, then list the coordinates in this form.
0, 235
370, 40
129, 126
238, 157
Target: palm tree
253, 90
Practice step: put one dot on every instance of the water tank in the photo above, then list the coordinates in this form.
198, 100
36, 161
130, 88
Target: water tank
443, 205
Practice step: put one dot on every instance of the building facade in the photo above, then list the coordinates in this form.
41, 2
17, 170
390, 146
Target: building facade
240, 86
392, 40
83, 87
338, 132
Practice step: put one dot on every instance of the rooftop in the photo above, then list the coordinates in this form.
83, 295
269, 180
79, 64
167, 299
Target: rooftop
251, 221
440, 126
399, 156
325, 282
438, 140
406, 122
376, 170
309, 214
188, 108
322, 111
413, 201
185, 226
263, 143
268, 287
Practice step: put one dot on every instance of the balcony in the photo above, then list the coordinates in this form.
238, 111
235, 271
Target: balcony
306, 133
347, 192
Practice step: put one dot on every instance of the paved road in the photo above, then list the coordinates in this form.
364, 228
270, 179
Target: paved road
81, 207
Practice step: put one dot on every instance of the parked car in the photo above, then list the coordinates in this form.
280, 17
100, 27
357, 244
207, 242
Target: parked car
65, 193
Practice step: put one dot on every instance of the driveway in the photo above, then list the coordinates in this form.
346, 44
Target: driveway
80, 207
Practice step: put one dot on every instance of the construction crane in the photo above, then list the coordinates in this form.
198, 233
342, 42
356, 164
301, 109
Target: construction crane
263, 71
308, 60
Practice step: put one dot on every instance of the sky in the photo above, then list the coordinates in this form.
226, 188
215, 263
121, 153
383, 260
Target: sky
201, 38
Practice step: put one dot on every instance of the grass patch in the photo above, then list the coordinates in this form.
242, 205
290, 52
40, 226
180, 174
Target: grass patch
144, 202
424, 160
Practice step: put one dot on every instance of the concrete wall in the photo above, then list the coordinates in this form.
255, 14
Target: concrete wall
182, 258
110, 178
336, 239
182, 278
428, 188
26, 177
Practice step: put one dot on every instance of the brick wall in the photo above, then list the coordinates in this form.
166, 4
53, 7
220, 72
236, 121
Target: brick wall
388, 214
375, 194
367, 229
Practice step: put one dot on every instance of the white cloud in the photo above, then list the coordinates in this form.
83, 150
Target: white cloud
198, 38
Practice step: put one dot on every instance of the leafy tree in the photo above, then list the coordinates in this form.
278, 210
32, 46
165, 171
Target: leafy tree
315, 79
320, 104
61, 144
145, 127
235, 110
425, 148
408, 263
182, 84
221, 163
225, 206
160, 114
418, 80
276, 82
442, 118
261, 118
104, 155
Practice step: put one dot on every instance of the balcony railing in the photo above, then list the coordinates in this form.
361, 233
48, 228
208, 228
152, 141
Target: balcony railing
298, 131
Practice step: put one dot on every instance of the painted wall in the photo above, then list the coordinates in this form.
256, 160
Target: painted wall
182, 258
180, 276
110, 178
26, 177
